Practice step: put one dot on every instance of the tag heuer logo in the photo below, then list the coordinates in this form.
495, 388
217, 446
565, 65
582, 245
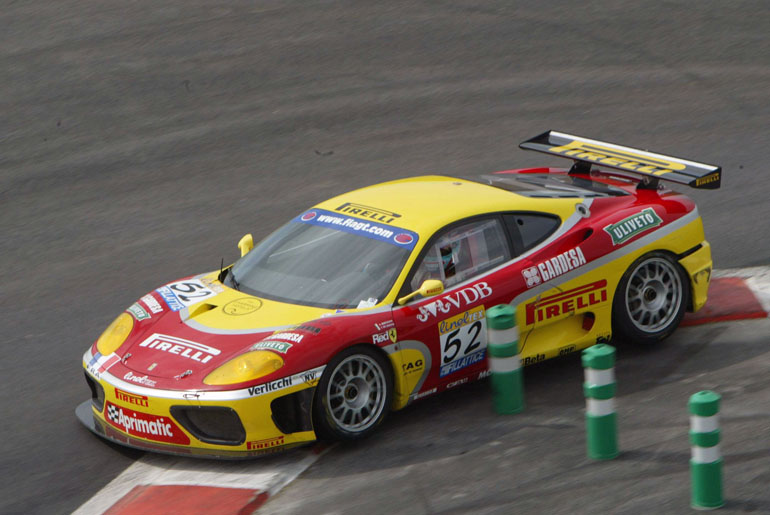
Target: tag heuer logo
627, 228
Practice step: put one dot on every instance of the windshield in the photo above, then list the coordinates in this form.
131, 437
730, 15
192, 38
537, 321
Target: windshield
325, 260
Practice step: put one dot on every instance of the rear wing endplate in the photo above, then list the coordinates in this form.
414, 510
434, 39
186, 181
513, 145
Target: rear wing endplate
650, 166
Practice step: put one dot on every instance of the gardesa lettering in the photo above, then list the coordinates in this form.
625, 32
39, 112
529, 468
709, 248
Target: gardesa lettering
458, 299
292, 337
554, 267
569, 301
185, 348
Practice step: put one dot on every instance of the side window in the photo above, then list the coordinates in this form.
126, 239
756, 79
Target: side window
463, 252
532, 228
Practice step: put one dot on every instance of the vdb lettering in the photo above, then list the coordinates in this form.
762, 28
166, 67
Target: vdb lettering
458, 299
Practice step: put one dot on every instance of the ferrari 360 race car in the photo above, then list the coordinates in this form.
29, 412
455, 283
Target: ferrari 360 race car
376, 298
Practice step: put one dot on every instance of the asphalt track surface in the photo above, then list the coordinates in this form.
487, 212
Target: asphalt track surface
139, 140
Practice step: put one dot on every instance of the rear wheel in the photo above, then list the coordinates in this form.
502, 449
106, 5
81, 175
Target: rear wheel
651, 299
353, 395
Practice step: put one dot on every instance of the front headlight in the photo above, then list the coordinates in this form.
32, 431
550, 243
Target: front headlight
115, 334
246, 367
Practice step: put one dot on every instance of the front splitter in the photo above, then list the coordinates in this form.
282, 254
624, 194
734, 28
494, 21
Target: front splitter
84, 413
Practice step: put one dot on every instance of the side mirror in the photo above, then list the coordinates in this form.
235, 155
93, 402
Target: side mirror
429, 288
246, 244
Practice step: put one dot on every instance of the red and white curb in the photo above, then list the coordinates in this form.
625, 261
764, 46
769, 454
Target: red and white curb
735, 294
157, 484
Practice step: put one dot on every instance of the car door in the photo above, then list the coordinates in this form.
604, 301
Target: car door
448, 332
556, 302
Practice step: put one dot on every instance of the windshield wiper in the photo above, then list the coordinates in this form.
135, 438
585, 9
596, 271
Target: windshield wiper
233, 280
224, 272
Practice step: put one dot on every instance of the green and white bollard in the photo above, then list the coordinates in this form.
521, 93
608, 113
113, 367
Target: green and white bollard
503, 358
706, 461
599, 391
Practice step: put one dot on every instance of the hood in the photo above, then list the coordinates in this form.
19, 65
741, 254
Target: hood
190, 327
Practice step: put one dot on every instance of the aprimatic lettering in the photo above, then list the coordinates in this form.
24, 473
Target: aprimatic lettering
569, 301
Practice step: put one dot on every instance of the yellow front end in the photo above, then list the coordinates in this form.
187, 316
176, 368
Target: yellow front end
240, 423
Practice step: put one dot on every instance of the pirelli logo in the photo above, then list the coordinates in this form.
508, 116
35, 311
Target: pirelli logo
642, 162
709, 179
131, 398
363, 211
576, 299
636, 162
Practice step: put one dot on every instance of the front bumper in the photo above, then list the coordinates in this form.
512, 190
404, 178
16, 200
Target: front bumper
237, 424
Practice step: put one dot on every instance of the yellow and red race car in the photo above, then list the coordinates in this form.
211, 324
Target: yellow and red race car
376, 298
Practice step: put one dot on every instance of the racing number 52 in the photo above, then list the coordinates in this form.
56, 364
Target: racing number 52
187, 291
454, 341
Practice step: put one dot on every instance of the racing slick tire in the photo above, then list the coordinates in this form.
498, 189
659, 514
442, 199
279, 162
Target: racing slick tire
651, 299
354, 394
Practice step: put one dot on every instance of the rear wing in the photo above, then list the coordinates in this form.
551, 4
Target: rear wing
650, 166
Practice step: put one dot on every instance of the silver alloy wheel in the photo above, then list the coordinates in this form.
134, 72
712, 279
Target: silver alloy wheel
653, 294
356, 393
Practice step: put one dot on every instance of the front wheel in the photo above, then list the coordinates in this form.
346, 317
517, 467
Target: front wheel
651, 299
353, 395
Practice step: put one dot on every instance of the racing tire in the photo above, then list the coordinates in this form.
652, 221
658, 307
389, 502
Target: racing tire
354, 394
651, 299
